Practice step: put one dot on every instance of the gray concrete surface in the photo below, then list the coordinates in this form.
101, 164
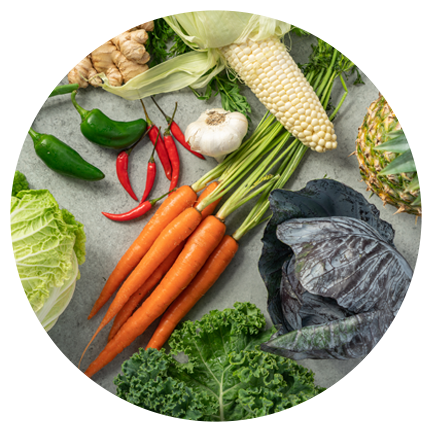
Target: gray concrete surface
107, 241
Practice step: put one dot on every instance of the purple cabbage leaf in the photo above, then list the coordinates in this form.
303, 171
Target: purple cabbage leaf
334, 278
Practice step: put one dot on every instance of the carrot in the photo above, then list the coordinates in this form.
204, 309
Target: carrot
177, 231
203, 281
197, 249
207, 211
139, 295
135, 299
181, 199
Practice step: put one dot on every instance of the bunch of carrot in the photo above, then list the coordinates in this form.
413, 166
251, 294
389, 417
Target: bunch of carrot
158, 256
183, 249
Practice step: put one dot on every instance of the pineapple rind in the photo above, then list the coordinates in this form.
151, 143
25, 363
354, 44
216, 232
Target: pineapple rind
393, 189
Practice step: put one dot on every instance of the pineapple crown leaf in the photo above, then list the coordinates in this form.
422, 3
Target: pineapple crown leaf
397, 143
414, 185
417, 201
402, 164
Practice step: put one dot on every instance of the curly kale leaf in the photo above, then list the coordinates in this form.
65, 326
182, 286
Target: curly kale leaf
227, 377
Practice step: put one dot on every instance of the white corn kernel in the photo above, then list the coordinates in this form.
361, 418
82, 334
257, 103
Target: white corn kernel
270, 72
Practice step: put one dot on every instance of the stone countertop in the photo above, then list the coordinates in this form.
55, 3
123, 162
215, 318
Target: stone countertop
107, 240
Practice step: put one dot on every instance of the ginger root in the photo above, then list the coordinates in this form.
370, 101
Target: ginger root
120, 59
84, 73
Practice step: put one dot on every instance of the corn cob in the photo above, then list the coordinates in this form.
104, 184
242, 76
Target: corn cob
271, 73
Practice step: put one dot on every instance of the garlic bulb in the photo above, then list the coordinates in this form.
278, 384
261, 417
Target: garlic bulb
217, 132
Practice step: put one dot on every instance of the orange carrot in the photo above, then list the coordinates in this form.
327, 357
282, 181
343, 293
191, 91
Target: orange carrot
202, 282
181, 199
177, 231
197, 249
205, 193
139, 295
135, 299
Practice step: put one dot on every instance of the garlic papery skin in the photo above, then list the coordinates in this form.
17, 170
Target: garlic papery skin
217, 132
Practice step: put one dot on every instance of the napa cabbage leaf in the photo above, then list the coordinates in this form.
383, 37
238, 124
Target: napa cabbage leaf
48, 245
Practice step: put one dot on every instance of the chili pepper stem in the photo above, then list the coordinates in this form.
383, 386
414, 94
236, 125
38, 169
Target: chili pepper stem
129, 150
81, 111
154, 201
168, 119
35, 135
172, 118
149, 122
151, 160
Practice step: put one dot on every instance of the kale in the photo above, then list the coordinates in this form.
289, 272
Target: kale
227, 377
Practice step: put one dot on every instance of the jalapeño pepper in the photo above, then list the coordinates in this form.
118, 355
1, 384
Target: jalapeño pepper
100, 129
63, 159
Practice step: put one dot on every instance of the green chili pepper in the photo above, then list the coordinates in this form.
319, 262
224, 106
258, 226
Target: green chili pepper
100, 129
63, 89
63, 159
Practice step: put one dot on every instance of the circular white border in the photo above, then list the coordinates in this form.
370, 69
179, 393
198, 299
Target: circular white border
41, 388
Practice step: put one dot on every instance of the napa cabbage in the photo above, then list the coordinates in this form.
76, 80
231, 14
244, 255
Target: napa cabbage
48, 245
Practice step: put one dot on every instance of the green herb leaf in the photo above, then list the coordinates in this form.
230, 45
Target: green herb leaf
157, 42
232, 99
227, 85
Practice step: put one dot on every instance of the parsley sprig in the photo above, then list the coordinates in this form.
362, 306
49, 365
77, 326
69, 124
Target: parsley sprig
227, 85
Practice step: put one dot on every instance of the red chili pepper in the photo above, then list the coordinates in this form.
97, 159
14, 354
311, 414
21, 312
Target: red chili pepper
176, 131
161, 150
178, 135
172, 153
151, 174
174, 158
122, 164
138, 211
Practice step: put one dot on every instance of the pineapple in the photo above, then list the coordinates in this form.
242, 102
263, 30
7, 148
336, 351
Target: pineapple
385, 160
